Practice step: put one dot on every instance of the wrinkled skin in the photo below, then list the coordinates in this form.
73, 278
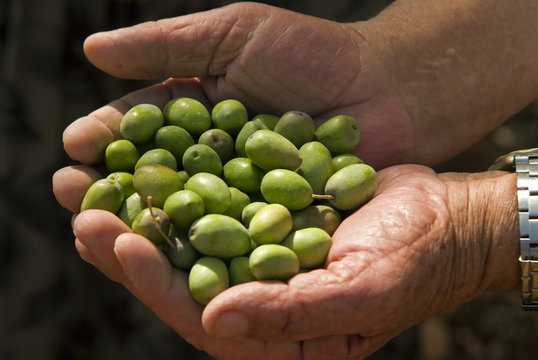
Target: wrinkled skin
424, 244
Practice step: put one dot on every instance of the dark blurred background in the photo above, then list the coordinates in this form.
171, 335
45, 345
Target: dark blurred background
55, 306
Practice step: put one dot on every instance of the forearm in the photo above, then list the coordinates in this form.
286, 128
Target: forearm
460, 67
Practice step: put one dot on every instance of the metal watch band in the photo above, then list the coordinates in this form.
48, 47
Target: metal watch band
525, 163
526, 166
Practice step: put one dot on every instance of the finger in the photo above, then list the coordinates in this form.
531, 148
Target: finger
193, 45
316, 309
97, 230
149, 276
86, 139
278, 311
70, 184
142, 268
85, 253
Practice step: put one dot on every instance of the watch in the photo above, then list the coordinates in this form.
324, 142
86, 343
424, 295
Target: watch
525, 164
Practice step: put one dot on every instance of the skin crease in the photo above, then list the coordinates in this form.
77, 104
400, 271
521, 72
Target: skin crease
438, 237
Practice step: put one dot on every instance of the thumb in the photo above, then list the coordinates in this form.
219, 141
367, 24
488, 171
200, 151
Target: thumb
308, 306
188, 46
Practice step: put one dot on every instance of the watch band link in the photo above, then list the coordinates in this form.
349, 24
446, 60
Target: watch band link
526, 165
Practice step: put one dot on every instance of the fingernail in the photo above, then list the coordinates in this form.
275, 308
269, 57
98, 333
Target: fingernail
231, 325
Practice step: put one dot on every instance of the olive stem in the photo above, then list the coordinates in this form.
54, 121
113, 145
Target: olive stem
323, 197
157, 225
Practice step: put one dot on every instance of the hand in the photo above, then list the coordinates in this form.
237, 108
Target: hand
399, 259
270, 59
424, 80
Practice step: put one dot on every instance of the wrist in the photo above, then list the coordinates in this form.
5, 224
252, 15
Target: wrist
484, 214
460, 68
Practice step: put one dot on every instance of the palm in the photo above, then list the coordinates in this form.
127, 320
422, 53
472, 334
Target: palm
384, 274
268, 82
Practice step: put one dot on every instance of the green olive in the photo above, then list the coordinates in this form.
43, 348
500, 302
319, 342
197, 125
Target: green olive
104, 194
239, 271
351, 186
154, 224
121, 155
250, 210
157, 156
190, 114
270, 225
208, 278
296, 126
229, 115
201, 158
131, 207
270, 150
286, 187
212, 189
273, 262
317, 165
174, 139
340, 134
220, 141
183, 207
238, 201
140, 123
125, 181
219, 235
183, 175
311, 246
268, 120
321, 216
241, 173
241, 139
156, 181
343, 160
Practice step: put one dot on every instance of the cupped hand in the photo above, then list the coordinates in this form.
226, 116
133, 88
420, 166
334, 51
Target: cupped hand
393, 263
273, 61
424, 81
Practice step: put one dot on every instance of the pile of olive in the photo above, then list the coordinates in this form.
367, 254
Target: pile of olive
232, 199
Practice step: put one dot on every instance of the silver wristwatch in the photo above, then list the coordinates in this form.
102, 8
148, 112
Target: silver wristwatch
525, 164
